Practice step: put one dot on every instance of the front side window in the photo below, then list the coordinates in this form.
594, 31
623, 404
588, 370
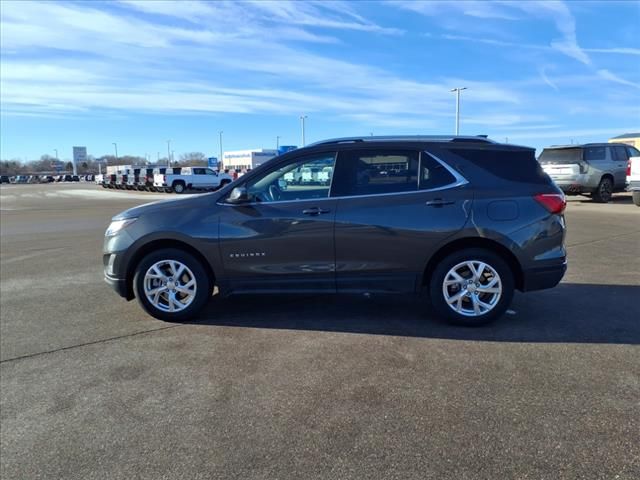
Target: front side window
303, 179
374, 172
620, 154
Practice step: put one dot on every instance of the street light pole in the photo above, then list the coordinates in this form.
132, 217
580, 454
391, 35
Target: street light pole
56, 150
277, 142
168, 153
115, 145
458, 90
220, 132
302, 119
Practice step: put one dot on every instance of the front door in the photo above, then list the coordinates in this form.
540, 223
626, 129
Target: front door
395, 207
282, 240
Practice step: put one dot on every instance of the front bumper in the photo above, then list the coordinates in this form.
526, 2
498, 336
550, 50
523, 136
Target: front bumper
541, 278
119, 285
113, 271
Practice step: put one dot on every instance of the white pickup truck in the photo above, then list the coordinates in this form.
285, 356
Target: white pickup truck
633, 179
180, 179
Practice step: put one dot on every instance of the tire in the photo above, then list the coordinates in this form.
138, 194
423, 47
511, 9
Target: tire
604, 192
636, 197
498, 301
202, 290
178, 187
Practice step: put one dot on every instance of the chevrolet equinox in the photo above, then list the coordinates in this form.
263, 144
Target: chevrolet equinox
464, 221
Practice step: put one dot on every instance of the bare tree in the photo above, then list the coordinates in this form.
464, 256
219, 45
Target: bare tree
193, 159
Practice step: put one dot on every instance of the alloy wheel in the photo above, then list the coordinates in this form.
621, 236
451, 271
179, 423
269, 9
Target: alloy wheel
170, 286
472, 288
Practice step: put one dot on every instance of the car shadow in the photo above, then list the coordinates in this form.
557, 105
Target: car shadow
575, 313
617, 198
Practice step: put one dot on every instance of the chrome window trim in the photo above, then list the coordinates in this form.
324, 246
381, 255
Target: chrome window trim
459, 182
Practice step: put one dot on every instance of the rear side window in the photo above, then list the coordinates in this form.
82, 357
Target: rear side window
594, 153
433, 174
633, 152
511, 165
372, 172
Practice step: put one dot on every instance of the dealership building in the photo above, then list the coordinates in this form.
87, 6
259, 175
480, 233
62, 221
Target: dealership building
240, 160
632, 139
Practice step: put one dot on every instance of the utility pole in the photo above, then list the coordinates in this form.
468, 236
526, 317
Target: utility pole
168, 153
115, 145
277, 142
220, 145
56, 150
302, 119
458, 90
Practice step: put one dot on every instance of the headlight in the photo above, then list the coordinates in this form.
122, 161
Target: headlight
118, 225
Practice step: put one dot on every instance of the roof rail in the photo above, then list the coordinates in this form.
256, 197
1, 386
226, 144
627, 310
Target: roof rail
405, 138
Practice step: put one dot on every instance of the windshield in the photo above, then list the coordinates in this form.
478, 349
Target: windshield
556, 156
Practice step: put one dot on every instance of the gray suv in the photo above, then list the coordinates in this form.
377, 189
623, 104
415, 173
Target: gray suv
462, 220
596, 169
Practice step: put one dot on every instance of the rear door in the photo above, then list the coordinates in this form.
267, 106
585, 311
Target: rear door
395, 206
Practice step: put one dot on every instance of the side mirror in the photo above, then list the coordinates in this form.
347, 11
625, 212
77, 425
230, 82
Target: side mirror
238, 195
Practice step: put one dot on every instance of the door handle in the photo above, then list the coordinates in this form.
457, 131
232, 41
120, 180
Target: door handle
314, 211
439, 202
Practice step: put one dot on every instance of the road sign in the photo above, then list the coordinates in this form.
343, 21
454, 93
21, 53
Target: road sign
212, 162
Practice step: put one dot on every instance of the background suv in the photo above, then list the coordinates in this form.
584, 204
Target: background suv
596, 169
463, 220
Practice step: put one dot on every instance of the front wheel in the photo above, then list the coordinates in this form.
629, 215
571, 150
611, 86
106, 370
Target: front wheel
171, 285
471, 287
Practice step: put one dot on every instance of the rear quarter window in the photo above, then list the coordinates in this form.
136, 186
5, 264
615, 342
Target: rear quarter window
512, 165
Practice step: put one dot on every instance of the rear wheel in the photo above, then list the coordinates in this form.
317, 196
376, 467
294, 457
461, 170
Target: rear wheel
171, 285
604, 192
471, 287
636, 197
178, 187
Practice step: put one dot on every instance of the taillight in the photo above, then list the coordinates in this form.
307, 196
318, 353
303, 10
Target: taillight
629, 168
584, 167
553, 202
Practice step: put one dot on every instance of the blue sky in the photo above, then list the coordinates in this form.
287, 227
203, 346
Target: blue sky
141, 72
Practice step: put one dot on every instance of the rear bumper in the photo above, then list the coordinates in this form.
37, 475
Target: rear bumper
541, 278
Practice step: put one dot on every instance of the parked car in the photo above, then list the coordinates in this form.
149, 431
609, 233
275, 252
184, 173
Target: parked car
133, 179
181, 179
633, 178
21, 179
4, 179
147, 177
46, 179
470, 222
33, 179
596, 169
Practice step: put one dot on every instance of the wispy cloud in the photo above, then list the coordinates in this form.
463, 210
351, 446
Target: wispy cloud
607, 75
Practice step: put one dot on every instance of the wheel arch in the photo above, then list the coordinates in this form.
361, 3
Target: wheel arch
153, 245
475, 242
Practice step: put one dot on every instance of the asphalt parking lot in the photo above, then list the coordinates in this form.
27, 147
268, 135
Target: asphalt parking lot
315, 386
